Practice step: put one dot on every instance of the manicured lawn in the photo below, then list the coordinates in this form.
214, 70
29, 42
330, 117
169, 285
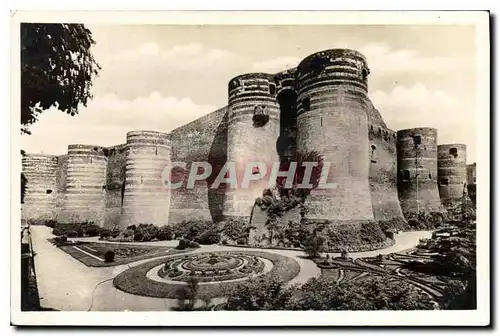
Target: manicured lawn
134, 280
332, 274
92, 254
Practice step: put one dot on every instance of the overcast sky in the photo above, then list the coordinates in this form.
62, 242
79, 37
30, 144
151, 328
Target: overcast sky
161, 77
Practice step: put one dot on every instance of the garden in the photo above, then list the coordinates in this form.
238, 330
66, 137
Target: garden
96, 254
218, 273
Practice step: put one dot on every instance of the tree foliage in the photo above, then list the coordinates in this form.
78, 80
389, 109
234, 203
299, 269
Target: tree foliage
323, 294
454, 250
57, 68
313, 245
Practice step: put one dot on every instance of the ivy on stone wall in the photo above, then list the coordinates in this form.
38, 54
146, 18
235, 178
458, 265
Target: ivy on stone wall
115, 172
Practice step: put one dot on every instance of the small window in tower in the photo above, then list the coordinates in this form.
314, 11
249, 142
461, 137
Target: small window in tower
272, 88
260, 116
306, 104
454, 152
417, 140
474, 179
96, 149
156, 150
430, 176
371, 127
443, 181
142, 181
405, 175
373, 154
321, 121
48, 191
90, 160
365, 72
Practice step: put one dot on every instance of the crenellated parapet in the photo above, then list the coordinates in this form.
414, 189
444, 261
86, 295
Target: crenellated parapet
286, 80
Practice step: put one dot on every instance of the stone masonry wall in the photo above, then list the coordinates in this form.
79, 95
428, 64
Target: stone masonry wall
204, 139
115, 183
383, 170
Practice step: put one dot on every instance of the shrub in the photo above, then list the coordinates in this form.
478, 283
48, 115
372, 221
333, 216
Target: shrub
371, 233
236, 229
184, 244
60, 240
115, 233
80, 232
92, 230
138, 236
72, 234
313, 245
191, 229
241, 241
145, 232
208, 237
109, 256
224, 241
147, 237
104, 233
131, 227
414, 223
126, 234
165, 233
50, 223
63, 228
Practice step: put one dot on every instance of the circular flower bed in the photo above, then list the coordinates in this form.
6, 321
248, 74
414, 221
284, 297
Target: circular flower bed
217, 273
212, 267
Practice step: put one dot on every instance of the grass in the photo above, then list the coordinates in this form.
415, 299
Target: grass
332, 274
134, 280
124, 253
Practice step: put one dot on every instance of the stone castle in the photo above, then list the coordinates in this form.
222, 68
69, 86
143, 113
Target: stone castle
321, 105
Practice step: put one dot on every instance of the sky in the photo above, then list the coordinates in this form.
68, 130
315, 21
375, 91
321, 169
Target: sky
160, 77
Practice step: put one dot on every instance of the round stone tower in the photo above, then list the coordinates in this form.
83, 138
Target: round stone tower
417, 171
40, 195
452, 173
332, 120
146, 200
84, 200
253, 128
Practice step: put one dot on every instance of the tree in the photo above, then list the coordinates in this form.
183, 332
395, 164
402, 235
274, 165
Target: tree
454, 251
259, 294
57, 68
323, 294
370, 294
313, 245
190, 293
